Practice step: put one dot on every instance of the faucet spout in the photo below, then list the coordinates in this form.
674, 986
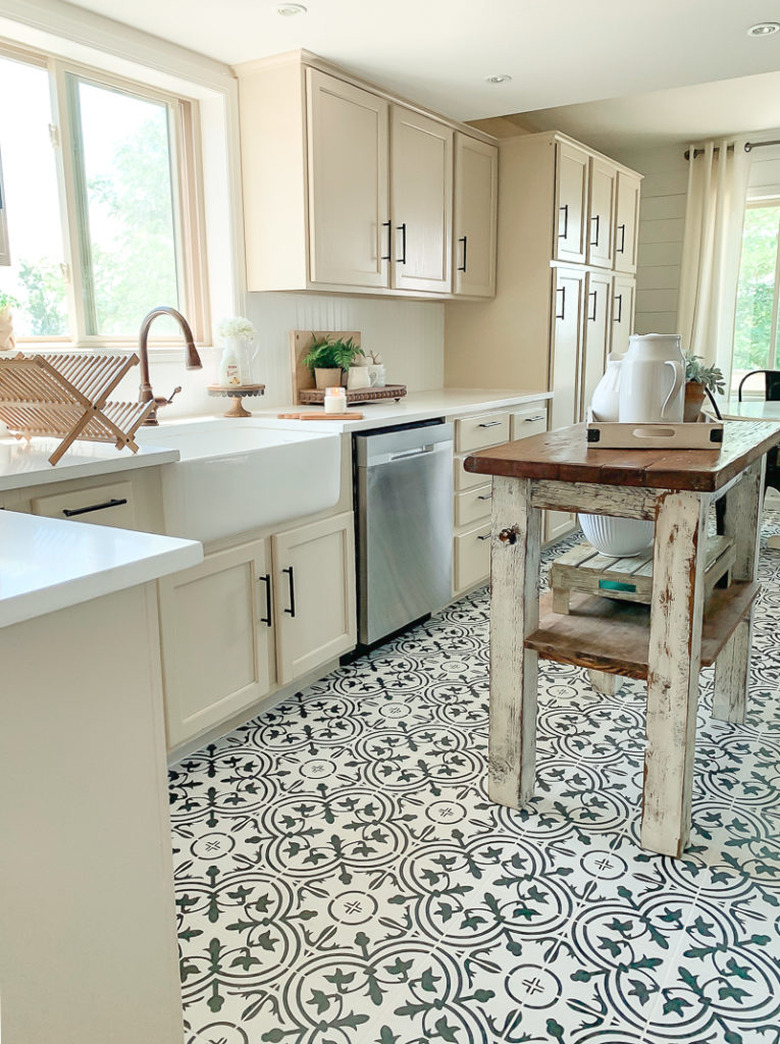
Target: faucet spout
192, 362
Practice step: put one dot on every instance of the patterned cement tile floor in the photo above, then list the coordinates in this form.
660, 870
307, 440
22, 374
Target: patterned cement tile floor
342, 877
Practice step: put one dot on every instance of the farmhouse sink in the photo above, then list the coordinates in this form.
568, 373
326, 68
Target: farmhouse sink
238, 475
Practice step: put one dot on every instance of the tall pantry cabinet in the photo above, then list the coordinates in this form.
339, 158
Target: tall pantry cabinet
568, 221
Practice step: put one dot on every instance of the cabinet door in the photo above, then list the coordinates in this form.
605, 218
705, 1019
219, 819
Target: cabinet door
566, 351
421, 186
476, 202
598, 297
215, 623
347, 183
601, 212
314, 576
623, 293
571, 203
626, 221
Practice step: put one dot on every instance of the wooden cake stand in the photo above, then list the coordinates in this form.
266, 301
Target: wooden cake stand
236, 392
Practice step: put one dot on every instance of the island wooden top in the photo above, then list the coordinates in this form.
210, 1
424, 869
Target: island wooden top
565, 455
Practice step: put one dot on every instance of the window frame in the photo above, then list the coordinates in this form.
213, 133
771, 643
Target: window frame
188, 201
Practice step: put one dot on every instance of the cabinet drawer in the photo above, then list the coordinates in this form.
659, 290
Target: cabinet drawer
472, 557
473, 505
111, 505
529, 421
486, 429
464, 479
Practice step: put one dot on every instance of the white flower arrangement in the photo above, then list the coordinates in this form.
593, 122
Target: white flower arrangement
237, 326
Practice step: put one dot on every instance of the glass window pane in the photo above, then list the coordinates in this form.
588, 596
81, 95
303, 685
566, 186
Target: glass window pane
35, 276
130, 249
756, 290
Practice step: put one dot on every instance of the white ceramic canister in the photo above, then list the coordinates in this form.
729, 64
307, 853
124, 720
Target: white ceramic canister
604, 404
652, 380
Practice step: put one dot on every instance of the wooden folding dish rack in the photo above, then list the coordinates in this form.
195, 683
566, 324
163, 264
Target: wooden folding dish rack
66, 396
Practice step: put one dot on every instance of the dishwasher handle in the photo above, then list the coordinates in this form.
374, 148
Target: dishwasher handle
420, 451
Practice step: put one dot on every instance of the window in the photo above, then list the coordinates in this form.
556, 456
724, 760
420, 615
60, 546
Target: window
98, 174
756, 324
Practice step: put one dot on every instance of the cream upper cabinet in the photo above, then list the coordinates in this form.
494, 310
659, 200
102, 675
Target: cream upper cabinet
314, 579
348, 188
626, 221
475, 210
570, 241
601, 212
596, 333
421, 180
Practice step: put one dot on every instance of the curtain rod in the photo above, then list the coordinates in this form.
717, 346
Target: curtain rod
750, 145
700, 152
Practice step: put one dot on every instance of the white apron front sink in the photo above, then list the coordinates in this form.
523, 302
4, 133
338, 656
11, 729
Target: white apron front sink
238, 475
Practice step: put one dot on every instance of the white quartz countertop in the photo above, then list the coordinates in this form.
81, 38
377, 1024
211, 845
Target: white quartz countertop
27, 463
48, 564
417, 406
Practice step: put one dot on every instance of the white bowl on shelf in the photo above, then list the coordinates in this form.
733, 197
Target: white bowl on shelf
617, 537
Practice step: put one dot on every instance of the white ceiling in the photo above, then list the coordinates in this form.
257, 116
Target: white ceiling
440, 51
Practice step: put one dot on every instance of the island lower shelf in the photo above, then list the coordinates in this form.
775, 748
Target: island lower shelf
606, 635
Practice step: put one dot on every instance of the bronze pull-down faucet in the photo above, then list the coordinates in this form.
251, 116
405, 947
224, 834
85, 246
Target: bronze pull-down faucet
193, 362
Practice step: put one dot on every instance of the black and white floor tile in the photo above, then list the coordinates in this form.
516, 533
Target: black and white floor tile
342, 877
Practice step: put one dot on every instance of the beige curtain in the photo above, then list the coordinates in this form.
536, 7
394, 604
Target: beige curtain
715, 209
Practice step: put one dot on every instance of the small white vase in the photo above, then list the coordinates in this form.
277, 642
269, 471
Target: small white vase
606, 396
617, 537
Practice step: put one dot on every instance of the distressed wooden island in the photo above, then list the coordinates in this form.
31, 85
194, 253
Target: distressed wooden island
665, 644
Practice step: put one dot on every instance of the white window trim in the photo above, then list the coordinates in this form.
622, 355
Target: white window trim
81, 37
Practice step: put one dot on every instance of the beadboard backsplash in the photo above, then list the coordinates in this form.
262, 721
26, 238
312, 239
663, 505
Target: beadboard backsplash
409, 335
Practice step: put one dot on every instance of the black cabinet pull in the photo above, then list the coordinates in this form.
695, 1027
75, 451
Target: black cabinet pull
402, 230
622, 248
562, 291
464, 241
489, 424
595, 242
485, 537
267, 581
565, 233
291, 581
594, 295
389, 255
115, 502
485, 496
619, 301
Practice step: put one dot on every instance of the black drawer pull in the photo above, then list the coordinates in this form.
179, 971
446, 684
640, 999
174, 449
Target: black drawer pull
267, 581
291, 579
533, 420
489, 424
485, 496
115, 502
485, 537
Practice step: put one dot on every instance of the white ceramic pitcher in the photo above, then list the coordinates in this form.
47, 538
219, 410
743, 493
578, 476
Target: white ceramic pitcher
652, 380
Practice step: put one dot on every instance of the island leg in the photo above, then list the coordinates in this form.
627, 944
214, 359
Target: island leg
674, 657
742, 522
514, 614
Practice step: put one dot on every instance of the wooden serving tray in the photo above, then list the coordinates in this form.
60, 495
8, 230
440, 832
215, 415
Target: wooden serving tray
706, 435
314, 396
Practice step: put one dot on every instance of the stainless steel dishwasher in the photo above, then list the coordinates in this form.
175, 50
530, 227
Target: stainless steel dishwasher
404, 518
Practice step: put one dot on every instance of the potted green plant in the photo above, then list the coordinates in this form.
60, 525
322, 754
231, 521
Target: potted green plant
329, 359
698, 380
7, 304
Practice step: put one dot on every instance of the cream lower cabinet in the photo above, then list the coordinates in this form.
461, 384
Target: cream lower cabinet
253, 618
216, 636
314, 579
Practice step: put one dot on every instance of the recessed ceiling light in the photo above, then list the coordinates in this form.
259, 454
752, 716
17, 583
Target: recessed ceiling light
499, 78
764, 29
288, 10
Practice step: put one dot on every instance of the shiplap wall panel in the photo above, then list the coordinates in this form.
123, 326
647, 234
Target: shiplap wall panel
661, 223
